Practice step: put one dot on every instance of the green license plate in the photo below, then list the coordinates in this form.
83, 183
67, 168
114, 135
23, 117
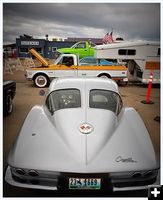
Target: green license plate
85, 183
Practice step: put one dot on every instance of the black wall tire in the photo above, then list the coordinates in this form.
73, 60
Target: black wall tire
41, 80
8, 105
104, 76
122, 83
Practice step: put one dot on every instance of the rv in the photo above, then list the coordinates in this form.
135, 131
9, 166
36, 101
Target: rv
141, 57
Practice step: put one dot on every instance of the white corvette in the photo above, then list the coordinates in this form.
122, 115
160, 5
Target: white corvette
82, 138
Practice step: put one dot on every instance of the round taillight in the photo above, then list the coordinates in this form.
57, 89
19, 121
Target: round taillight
33, 173
20, 171
149, 173
136, 175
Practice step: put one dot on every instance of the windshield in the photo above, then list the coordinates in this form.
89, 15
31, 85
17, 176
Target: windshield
80, 45
83, 45
105, 99
65, 98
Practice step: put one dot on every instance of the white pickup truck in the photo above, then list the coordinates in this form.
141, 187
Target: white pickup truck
67, 65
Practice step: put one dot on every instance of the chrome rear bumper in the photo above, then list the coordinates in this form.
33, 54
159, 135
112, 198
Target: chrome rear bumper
53, 186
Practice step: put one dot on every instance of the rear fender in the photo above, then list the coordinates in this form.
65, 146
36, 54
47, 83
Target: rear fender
135, 133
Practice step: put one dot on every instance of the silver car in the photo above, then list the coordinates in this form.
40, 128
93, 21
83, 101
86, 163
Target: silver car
82, 138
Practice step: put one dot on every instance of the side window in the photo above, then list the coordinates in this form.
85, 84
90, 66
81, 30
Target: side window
81, 46
122, 52
130, 52
54, 49
49, 104
23, 50
119, 105
67, 60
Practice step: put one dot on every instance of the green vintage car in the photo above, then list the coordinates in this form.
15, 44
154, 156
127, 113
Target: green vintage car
83, 49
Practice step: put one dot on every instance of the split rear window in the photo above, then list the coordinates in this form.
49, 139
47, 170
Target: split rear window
71, 98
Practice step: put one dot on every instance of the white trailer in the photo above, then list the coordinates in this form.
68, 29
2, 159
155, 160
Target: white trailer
141, 57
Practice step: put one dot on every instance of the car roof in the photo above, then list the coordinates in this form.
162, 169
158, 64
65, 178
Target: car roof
79, 83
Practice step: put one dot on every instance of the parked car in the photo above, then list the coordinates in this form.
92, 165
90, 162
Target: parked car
67, 65
82, 48
82, 138
94, 61
9, 90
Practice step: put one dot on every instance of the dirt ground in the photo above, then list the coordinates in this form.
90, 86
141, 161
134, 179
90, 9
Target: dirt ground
27, 95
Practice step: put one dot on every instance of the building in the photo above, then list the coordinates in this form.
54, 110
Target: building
45, 47
9, 50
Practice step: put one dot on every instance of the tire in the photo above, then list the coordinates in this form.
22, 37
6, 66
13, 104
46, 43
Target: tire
122, 83
41, 80
106, 76
8, 105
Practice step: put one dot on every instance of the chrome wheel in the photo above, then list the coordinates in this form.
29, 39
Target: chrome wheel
41, 81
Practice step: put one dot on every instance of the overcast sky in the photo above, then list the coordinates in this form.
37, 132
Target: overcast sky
128, 20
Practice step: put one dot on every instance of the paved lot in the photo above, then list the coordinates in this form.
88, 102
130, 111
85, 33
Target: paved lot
27, 95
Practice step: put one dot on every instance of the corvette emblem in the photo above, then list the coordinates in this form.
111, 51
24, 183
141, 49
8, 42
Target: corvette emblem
85, 128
